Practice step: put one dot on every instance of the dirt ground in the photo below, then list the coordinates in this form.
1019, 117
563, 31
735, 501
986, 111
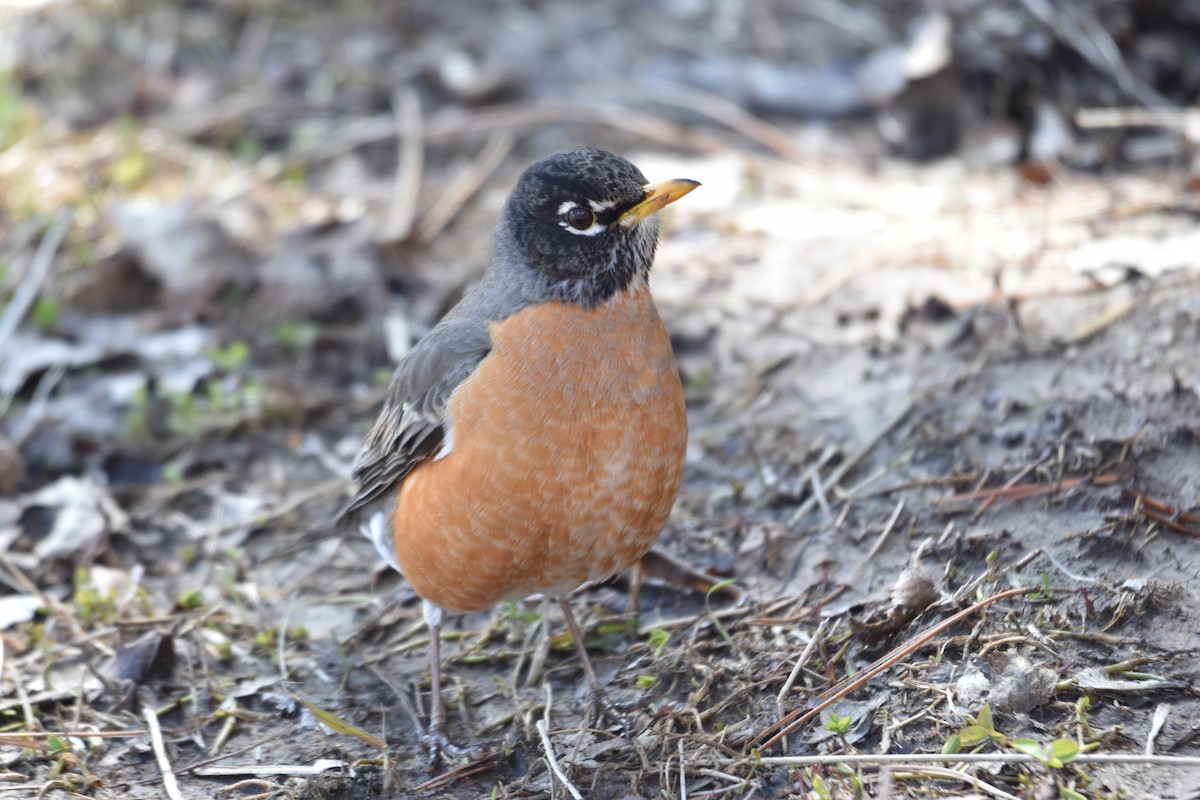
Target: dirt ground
937, 312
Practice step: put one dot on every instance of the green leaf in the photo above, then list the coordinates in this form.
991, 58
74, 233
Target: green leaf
1065, 750
231, 356
953, 744
129, 171
190, 600
340, 725
172, 473
716, 587
973, 735
45, 313
658, 640
837, 724
55, 744
646, 681
984, 719
1032, 747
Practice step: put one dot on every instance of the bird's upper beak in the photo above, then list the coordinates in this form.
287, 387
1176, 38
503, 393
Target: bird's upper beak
658, 196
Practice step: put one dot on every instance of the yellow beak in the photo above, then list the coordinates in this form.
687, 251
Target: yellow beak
658, 196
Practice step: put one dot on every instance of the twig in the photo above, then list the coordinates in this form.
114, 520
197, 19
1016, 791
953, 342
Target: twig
853, 461
813, 641
282, 645
893, 759
722, 111
683, 793
549, 749
1173, 518
315, 768
467, 770
957, 775
81, 734
1026, 490
31, 284
1063, 569
818, 491
1161, 712
410, 163
538, 661
808, 648
887, 529
464, 187
460, 122
736, 782
160, 754
1079, 29
1020, 476
1182, 120
35, 410
1110, 316
798, 717
306, 495
1166, 509
195, 766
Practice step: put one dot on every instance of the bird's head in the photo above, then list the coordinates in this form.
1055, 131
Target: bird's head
582, 221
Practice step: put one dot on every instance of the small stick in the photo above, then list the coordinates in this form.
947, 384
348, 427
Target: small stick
315, 768
464, 187
808, 648
80, 734
791, 680
549, 749
1025, 491
410, 162
520, 114
1020, 476
957, 775
1168, 523
1164, 508
160, 754
31, 284
972, 758
853, 461
818, 491
1161, 712
887, 529
798, 717
724, 112
683, 793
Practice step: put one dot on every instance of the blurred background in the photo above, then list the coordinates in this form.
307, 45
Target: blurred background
935, 241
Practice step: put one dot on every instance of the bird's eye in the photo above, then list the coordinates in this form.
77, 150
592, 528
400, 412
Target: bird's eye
580, 218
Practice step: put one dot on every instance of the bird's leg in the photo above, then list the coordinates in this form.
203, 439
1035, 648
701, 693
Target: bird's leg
435, 739
599, 703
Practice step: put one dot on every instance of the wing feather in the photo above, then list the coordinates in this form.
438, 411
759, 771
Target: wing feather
412, 423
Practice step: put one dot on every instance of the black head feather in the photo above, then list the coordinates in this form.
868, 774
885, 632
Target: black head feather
562, 222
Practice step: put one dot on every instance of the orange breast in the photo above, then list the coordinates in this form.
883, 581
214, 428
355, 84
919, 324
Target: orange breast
568, 451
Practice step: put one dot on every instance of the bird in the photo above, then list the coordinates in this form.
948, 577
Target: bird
534, 440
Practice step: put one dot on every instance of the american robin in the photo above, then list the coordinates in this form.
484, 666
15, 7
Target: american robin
537, 433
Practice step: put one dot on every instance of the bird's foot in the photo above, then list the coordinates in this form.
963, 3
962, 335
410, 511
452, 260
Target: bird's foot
442, 750
600, 706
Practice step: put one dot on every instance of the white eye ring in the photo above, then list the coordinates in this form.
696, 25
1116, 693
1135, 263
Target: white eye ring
564, 212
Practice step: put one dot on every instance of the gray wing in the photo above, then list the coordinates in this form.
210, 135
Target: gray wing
411, 425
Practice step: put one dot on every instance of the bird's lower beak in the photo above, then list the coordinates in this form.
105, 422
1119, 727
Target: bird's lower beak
658, 196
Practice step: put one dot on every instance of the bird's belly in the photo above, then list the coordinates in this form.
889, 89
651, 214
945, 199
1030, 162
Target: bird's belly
568, 451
